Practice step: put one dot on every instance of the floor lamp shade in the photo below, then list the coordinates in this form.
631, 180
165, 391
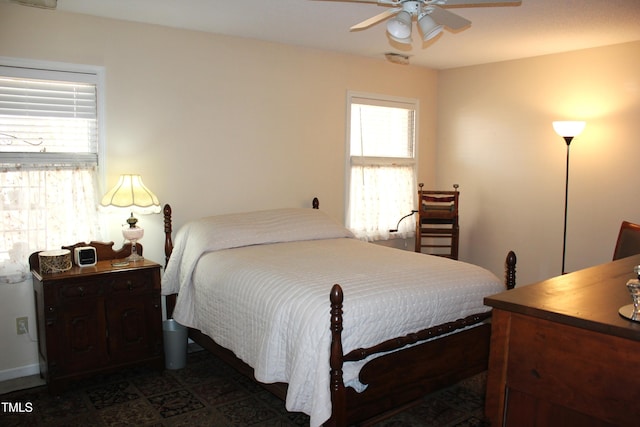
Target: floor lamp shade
569, 129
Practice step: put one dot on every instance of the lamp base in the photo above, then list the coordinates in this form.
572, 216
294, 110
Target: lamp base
134, 257
133, 234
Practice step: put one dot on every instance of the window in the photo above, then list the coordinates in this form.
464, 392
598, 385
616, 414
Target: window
381, 165
49, 158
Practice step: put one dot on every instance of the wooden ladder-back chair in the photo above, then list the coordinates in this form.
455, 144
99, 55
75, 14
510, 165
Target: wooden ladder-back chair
628, 242
437, 228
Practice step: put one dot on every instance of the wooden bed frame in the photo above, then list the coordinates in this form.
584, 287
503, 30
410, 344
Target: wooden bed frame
394, 380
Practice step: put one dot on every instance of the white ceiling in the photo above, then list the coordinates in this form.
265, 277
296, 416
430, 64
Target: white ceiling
536, 27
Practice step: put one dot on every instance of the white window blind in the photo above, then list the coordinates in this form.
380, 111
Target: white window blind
382, 165
49, 159
48, 116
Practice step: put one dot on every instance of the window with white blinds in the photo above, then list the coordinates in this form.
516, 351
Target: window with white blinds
49, 160
382, 165
51, 114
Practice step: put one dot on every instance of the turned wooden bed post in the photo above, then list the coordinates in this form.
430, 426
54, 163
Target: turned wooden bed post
336, 384
168, 243
510, 270
170, 300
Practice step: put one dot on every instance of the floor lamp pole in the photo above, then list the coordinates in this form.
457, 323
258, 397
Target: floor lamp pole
566, 201
567, 130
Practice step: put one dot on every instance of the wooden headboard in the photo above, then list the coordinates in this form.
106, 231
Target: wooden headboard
168, 229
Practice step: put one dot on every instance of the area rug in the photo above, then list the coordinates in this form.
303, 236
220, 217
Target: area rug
207, 392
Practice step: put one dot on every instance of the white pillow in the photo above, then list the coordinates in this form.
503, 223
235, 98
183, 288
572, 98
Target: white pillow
269, 226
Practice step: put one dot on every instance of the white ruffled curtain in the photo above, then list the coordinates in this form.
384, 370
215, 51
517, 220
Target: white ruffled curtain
380, 196
44, 207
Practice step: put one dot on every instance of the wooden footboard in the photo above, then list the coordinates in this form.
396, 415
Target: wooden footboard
395, 379
401, 377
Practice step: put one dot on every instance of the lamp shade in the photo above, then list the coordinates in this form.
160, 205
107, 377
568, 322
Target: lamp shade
429, 27
399, 27
569, 128
130, 192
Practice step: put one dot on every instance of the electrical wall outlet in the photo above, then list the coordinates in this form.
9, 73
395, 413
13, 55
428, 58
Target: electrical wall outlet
22, 325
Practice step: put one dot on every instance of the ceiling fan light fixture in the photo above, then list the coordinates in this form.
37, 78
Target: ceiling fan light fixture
429, 27
408, 40
399, 27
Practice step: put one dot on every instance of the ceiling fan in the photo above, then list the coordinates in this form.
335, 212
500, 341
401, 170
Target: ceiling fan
429, 14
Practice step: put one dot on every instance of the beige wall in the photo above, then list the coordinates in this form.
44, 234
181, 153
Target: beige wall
214, 124
496, 140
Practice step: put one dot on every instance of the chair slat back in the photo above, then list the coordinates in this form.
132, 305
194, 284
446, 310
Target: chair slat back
628, 242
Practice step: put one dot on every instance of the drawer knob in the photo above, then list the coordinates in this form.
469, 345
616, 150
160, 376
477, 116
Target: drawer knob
129, 285
81, 290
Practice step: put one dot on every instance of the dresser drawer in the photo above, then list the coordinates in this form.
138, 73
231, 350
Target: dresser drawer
72, 291
130, 284
572, 368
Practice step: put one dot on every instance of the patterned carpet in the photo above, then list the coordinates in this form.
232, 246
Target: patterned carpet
209, 393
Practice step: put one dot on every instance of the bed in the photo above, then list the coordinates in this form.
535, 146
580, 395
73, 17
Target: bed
341, 329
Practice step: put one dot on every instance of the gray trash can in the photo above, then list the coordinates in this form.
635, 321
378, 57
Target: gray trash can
175, 344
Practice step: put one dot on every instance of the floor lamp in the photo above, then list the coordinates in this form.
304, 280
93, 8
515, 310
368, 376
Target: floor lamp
568, 130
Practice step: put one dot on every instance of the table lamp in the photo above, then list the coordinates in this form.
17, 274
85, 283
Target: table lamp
130, 192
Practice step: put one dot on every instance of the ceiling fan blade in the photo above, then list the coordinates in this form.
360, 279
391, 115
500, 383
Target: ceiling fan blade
375, 19
462, 3
449, 19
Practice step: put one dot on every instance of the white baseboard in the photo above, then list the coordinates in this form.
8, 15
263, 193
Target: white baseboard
23, 371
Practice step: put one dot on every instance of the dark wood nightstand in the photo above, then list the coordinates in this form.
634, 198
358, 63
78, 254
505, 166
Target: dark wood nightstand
97, 319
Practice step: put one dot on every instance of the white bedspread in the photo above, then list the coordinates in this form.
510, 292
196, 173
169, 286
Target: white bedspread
269, 304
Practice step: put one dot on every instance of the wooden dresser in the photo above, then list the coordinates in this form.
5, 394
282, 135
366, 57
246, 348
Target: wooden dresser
97, 319
561, 355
